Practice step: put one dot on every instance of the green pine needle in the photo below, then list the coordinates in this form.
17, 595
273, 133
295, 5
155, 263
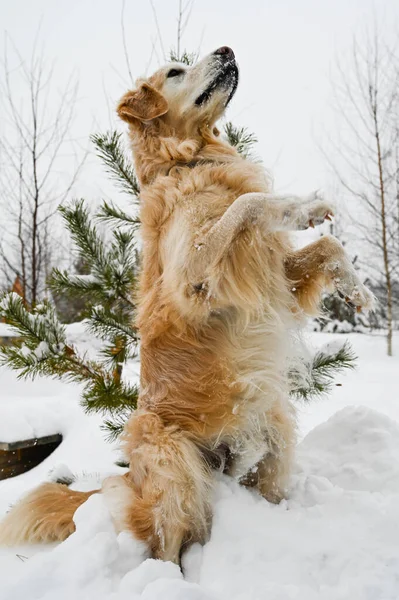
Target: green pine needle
75, 286
109, 149
242, 140
85, 236
104, 394
113, 427
42, 348
107, 325
322, 371
110, 213
112, 267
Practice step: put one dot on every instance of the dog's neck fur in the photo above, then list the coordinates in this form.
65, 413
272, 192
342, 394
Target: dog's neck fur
158, 149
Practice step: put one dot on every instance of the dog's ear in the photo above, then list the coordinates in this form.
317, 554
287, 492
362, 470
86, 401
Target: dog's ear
144, 104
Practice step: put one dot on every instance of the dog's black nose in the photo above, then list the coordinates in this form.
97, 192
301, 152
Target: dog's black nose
225, 52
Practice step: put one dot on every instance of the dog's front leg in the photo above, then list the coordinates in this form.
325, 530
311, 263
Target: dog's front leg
227, 266
324, 265
270, 212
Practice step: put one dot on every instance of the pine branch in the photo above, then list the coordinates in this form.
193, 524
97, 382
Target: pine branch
43, 347
325, 365
43, 350
123, 250
105, 394
117, 330
106, 286
241, 139
106, 325
186, 58
119, 277
35, 328
75, 286
112, 270
109, 150
110, 213
89, 244
113, 427
115, 354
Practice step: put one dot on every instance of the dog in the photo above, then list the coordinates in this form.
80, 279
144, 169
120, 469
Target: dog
221, 288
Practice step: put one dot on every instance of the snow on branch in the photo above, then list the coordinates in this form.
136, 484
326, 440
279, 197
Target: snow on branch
43, 349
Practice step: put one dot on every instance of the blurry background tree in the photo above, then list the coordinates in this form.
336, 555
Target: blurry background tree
364, 159
337, 316
36, 136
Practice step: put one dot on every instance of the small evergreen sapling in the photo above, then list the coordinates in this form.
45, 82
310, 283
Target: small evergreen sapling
107, 289
43, 348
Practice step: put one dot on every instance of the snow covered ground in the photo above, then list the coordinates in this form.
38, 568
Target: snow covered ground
335, 538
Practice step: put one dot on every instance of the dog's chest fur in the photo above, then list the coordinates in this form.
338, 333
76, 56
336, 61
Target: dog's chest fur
213, 360
259, 362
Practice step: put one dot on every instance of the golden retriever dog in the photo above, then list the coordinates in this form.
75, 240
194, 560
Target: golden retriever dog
221, 288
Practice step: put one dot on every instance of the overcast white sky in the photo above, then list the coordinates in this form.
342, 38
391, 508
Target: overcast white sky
285, 49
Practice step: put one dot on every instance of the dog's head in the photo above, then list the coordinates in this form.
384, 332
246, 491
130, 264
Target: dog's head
182, 97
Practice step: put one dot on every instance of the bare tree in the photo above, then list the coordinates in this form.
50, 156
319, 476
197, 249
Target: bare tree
364, 155
184, 14
177, 53
34, 147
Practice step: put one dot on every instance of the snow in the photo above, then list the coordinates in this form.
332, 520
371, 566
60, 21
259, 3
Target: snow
5, 330
334, 538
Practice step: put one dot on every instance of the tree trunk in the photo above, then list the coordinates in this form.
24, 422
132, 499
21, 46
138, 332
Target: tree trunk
387, 272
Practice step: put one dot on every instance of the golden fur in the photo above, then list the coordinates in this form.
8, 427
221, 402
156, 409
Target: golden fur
44, 515
221, 286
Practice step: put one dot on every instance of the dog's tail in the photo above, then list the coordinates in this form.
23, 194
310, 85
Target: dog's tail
43, 515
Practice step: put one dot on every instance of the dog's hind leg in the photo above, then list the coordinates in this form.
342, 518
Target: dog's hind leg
270, 474
324, 265
171, 484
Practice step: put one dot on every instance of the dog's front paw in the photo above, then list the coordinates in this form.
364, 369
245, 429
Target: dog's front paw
314, 210
350, 288
357, 296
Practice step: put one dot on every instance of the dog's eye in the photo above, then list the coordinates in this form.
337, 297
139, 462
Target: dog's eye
175, 72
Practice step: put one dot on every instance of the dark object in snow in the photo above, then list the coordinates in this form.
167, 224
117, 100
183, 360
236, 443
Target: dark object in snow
19, 457
65, 480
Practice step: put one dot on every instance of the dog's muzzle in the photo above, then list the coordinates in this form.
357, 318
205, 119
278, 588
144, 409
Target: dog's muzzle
225, 53
226, 75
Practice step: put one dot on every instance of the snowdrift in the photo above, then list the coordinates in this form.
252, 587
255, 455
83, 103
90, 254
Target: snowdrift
336, 537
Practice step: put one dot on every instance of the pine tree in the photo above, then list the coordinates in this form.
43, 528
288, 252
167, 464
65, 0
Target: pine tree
110, 267
107, 246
